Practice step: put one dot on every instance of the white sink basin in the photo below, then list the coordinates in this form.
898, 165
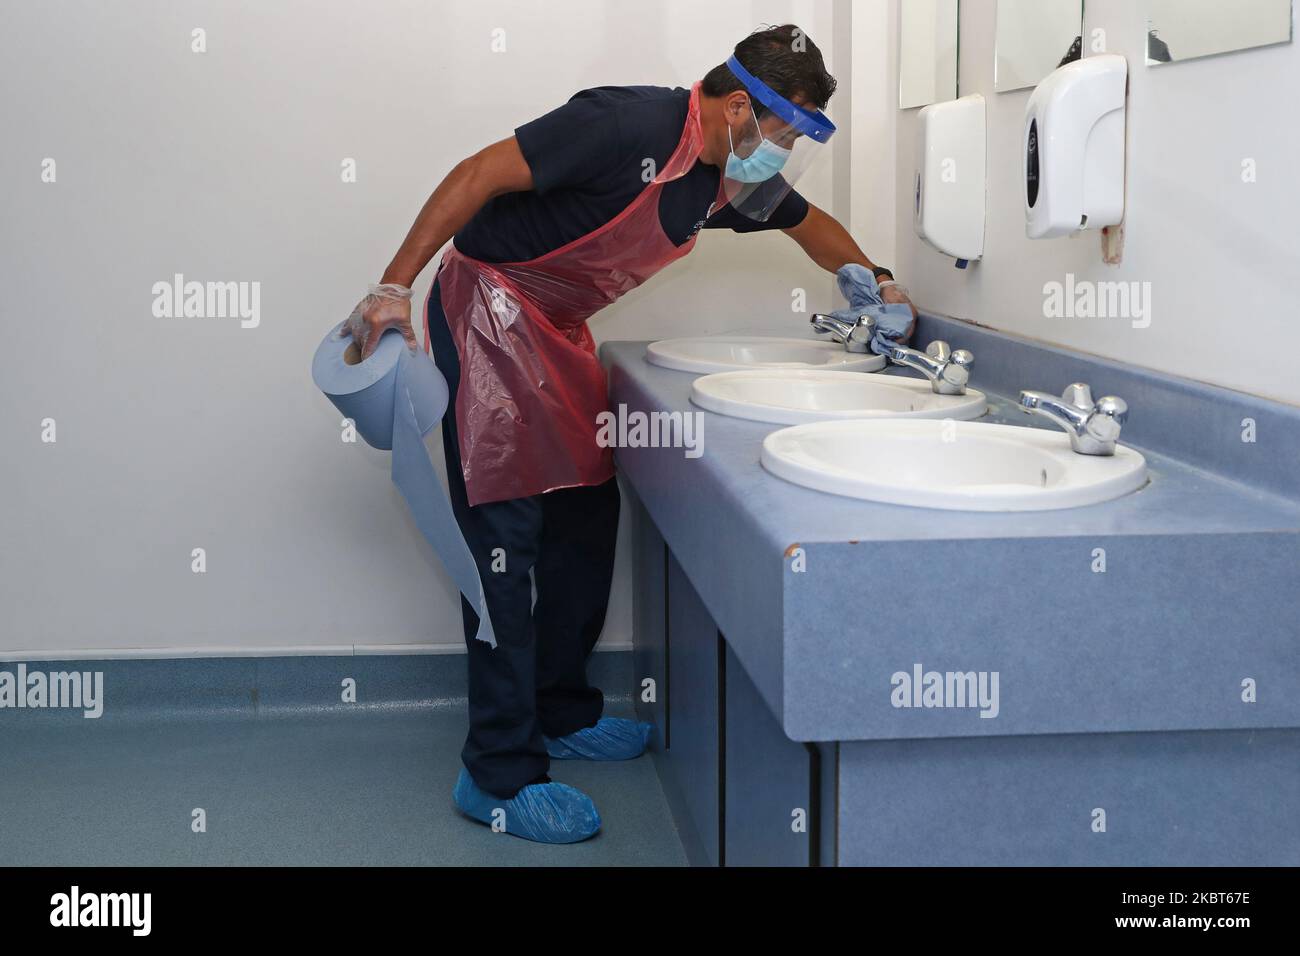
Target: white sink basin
727, 353
795, 396
959, 466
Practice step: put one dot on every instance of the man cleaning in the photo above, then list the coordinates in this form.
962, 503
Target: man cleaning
548, 227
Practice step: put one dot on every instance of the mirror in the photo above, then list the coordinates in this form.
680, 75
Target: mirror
927, 52
1186, 29
1034, 38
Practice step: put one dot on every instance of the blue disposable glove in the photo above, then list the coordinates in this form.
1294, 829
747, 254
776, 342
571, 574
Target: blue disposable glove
541, 812
613, 738
893, 319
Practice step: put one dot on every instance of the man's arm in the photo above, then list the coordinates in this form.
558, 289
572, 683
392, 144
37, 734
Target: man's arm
492, 171
827, 242
830, 246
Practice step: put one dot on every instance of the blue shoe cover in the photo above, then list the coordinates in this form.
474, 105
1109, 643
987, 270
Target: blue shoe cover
541, 812
613, 738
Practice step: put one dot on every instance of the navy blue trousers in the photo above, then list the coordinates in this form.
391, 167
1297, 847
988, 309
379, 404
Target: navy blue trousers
535, 681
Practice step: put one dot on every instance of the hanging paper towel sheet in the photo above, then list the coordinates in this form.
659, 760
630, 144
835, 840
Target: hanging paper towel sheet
395, 398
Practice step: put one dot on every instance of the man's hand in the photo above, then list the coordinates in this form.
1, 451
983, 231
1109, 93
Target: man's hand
830, 246
893, 293
388, 306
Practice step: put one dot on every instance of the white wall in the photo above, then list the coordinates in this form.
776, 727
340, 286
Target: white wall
1220, 254
176, 434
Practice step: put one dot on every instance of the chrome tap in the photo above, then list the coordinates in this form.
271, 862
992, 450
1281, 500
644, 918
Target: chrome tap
947, 370
854, 336
1093, 427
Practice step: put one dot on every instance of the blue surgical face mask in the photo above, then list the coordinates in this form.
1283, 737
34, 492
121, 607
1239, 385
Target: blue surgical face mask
762, 164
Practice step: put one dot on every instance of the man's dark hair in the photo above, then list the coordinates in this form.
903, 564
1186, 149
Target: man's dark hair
785, 58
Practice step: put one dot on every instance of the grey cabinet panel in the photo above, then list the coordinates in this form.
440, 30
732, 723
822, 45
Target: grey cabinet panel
769, 778
649, 620
1198, 798
689, 765
731, 776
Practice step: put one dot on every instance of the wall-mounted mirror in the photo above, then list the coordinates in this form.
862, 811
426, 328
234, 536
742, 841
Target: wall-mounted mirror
1034, 38
927, 52
1186, 29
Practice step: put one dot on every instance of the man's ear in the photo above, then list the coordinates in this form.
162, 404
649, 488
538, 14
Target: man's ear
735, 107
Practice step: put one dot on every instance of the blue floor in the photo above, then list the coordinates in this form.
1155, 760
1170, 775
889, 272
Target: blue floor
288, 786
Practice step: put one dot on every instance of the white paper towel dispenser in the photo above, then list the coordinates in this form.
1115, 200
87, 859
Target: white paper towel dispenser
949, 198
1074, 148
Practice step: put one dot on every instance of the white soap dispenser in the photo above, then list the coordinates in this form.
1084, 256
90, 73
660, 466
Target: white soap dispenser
1074, 148
949, 196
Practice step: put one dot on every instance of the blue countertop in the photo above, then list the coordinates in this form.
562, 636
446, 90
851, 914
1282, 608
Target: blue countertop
1201, 590
1179, 498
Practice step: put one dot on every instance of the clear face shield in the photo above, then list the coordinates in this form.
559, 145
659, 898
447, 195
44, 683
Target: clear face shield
769, 154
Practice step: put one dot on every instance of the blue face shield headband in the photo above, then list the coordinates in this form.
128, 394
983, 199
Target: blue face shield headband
756, 184
811, 123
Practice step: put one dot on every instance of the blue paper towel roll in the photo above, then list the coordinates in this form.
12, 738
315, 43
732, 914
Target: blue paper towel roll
396, 397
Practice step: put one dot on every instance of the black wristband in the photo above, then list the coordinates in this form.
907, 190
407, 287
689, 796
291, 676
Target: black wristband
879, 271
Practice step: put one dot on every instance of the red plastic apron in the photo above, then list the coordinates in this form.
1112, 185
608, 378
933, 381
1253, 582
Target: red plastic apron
530, 383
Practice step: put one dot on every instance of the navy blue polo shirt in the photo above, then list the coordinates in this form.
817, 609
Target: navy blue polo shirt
589, 160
